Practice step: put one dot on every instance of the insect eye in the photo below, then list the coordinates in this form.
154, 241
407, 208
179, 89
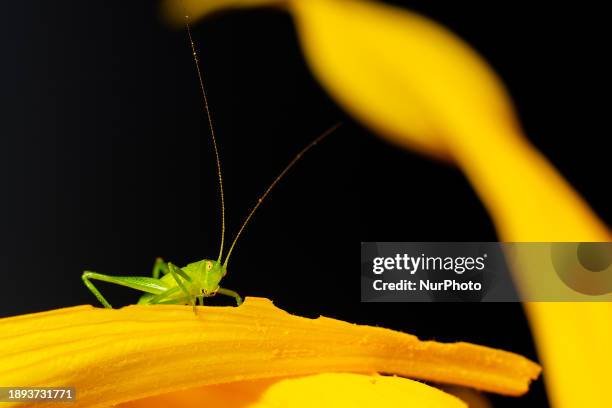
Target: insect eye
209, 265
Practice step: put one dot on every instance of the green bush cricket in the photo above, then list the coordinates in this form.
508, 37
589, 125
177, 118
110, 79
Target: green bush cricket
192, 283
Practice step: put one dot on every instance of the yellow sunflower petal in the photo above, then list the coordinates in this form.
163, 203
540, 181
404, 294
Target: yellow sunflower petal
320, 390
473, 398
174, 11
112, 356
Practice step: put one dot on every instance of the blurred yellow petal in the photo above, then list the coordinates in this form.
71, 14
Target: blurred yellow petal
473, 398
321, 390
391, 69
421, 87
175, 11
113, 356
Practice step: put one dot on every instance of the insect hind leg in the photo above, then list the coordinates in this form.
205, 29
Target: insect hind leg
141, 283
159, 267
86, 275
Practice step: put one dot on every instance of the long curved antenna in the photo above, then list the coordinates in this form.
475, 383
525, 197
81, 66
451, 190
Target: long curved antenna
275, 182
212, 133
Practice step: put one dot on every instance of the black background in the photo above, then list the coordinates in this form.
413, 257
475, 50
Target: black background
105, 160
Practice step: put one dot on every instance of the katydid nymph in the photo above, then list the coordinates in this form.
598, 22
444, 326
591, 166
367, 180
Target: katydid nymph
192, 283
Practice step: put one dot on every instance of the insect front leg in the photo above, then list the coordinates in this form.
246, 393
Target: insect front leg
177, 273
159, 266
231, 293
141, 283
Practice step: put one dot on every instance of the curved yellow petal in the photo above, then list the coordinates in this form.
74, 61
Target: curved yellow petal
421, 86
391, 69
175, 11
355, 390
320, 390
112, 356
473, 398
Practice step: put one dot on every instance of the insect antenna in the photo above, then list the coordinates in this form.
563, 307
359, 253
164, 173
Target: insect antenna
212, 132
275, 182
